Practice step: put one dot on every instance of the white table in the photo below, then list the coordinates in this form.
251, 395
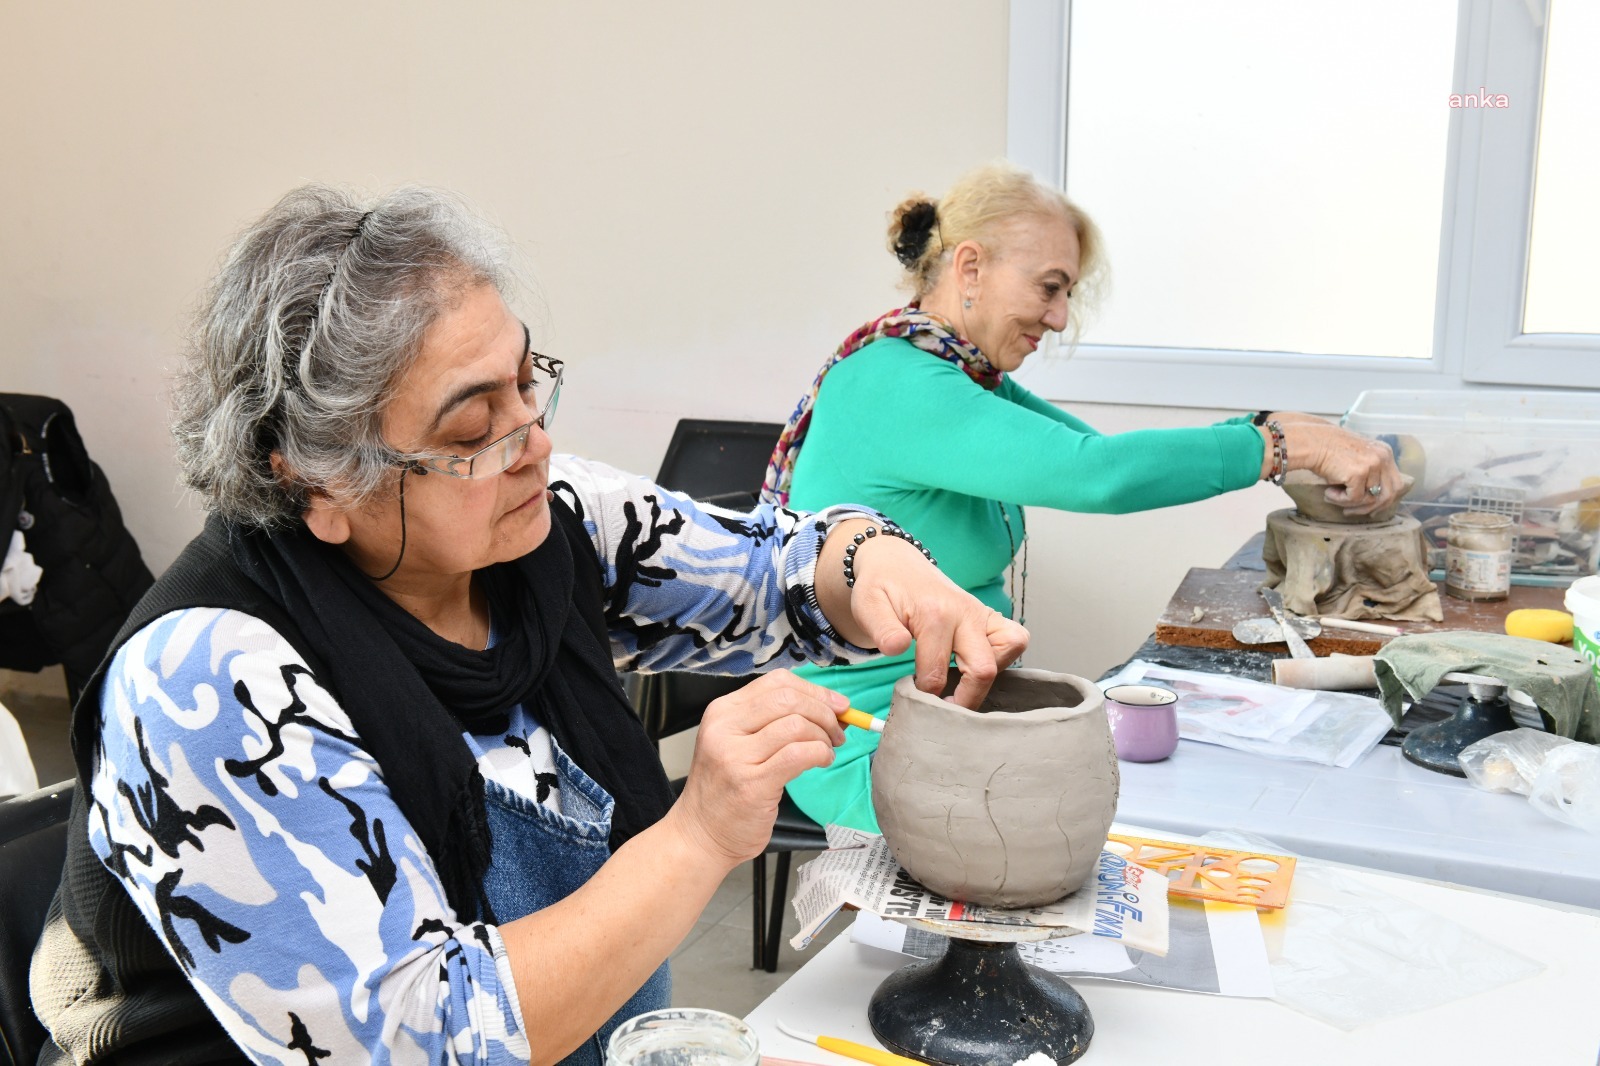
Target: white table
1549, 1019
1384, 812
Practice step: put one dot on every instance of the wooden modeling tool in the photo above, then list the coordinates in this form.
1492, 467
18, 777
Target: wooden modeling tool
1199, 871
849, 1048
861, 720
1329, 622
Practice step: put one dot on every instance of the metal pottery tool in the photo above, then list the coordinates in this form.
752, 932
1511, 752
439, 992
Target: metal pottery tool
1267, 630
1297, 646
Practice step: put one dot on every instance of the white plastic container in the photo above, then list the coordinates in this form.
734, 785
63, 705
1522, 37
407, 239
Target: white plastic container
1532, 455
1583, 603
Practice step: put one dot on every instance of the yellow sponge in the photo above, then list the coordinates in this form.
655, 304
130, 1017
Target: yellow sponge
1554, 626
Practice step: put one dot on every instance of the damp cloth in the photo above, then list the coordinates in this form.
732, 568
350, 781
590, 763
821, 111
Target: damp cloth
1558, 680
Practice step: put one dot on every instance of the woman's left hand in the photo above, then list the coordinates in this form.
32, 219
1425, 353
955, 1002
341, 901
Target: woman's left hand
1361, 473
899, 596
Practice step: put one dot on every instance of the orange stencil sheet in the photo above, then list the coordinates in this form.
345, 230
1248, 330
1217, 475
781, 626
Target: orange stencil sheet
1199, 871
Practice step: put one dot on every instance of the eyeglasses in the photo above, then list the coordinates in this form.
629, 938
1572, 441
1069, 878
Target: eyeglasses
497, 456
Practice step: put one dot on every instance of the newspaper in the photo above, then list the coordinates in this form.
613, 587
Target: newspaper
1217, 948
1121, 902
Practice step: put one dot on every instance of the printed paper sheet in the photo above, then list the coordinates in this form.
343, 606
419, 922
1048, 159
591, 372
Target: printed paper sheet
1121, 902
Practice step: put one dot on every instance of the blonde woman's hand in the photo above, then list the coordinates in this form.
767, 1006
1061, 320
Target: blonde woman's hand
1360, 472
751, 743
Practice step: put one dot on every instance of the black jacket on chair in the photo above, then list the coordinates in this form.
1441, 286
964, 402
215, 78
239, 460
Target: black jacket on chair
93, 574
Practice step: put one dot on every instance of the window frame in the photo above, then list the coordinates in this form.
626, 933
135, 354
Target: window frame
1484, 237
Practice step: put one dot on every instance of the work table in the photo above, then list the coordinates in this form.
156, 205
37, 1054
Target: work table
1382, 812
1547, 1019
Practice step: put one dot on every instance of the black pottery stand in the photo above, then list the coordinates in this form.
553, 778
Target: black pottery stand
979, 1004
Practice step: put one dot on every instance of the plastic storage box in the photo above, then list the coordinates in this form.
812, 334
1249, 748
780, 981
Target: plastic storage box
1534, 455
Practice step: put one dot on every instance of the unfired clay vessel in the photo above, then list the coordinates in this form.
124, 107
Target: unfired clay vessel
1309, 493
1007, 806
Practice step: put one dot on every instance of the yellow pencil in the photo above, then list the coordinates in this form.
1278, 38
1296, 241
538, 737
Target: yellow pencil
849, 1048
861, 720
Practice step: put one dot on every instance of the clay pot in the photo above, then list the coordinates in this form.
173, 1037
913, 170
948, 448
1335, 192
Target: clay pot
1006, 806
1309, 493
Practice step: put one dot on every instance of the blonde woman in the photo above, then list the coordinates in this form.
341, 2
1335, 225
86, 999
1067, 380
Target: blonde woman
916, 416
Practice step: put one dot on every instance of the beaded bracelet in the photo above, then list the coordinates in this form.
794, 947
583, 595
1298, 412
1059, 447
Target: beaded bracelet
1280, 453
889, 530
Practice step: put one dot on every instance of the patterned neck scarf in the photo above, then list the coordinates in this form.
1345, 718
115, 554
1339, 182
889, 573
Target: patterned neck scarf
932, 334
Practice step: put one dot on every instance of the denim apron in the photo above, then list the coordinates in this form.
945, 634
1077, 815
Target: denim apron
541, 856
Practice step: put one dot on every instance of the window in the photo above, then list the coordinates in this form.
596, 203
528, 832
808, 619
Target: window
1319, 198
1563, 267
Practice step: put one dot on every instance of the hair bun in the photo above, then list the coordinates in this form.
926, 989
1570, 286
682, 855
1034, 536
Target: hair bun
916, 225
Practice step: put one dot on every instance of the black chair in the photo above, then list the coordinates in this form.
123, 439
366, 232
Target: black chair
718, 462
33, 846
724, 463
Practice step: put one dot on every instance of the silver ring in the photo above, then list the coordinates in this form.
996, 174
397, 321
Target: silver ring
1374, 490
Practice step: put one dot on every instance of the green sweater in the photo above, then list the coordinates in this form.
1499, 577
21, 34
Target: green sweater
903, 431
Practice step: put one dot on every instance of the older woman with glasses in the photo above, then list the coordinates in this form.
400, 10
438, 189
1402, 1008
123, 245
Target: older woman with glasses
357, 780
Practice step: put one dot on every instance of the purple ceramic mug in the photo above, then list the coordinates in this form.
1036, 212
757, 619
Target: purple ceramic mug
1144, 721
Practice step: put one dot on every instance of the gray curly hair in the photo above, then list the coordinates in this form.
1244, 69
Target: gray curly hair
319, 310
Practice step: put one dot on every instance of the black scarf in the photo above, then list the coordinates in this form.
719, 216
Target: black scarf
410, 693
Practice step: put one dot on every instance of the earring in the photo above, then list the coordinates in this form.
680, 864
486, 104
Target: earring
966, 303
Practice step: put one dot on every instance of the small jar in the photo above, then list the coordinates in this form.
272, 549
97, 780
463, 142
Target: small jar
1478, 555
683, 1036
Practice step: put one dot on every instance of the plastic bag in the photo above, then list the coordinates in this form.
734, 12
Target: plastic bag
1331, 728
1560, 777
1568, 787
1350, 955
1509, 761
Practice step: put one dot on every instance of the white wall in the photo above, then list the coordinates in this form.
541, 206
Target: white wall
1097, 582
701, 188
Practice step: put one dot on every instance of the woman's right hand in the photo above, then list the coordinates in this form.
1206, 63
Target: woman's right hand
1351, 464
751, 743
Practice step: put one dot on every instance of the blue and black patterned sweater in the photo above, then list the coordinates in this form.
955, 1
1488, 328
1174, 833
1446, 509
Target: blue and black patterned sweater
260, 841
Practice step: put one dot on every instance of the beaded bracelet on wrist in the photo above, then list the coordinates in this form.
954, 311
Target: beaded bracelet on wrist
1280, 453
889, 530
